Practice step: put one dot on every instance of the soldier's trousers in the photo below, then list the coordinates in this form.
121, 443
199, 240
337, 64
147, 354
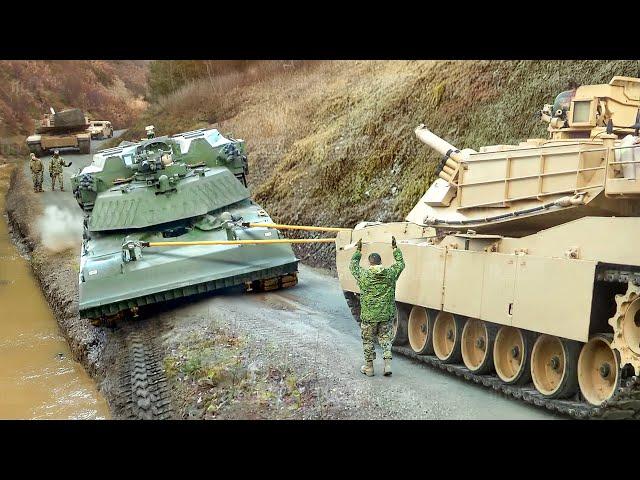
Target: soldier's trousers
37, 181
383, 331
57, 177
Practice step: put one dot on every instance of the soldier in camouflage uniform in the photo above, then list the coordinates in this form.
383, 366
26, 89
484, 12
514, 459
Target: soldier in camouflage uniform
37, 172
55, 170
377, 304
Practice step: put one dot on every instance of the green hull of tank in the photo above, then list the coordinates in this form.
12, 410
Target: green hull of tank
167, 273
200, 195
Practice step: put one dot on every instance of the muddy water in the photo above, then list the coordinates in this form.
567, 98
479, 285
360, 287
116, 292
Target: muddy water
38, 377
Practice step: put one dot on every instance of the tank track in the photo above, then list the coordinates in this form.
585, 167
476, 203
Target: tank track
625, 403
144, 394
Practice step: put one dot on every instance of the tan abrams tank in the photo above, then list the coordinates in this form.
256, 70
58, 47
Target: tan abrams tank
522, 261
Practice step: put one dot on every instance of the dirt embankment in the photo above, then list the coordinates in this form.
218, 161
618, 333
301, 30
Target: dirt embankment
58, 277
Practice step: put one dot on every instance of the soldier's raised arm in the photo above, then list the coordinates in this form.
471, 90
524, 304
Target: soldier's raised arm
397, 268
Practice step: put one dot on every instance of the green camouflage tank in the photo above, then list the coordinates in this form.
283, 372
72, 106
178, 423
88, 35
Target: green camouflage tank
188, 187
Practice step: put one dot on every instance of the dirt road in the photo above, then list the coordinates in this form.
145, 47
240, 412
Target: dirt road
310, 328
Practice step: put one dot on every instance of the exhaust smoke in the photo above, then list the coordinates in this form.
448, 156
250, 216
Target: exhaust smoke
60, 229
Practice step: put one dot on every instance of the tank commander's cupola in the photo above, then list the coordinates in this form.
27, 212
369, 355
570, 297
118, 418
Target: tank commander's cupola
592, 110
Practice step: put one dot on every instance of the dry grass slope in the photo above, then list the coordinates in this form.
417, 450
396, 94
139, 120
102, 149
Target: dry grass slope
112, 90
333, 144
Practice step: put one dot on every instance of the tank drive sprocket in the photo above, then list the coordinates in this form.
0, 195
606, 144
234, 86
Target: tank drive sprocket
626, 327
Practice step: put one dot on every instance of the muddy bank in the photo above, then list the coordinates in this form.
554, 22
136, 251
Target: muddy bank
39, 377
57, 274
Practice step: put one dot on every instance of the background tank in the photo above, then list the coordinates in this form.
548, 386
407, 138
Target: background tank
187, 187
522, 272
64, 129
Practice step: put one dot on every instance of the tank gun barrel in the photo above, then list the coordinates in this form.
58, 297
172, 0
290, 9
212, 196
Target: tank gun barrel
452, 157
438, 144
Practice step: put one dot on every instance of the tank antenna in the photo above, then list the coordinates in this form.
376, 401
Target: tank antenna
637, 125
610, 127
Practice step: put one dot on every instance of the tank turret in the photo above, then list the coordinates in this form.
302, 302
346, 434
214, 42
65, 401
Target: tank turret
585, 167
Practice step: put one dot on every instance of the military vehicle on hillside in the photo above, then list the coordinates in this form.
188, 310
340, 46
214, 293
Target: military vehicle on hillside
64, 129
189, 187
522, 269
100, 129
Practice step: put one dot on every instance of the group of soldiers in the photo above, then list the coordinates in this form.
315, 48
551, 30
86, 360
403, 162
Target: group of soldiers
55, 171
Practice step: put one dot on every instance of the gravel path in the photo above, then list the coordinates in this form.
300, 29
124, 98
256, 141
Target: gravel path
310, 328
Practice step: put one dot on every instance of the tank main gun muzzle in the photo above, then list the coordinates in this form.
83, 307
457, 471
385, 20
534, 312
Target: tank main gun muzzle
452, 159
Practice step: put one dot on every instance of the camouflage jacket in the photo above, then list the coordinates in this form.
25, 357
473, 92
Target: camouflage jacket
377, 288
55, 165
35, 164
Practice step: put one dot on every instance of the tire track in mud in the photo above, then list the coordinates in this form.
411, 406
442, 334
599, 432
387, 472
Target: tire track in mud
142, 391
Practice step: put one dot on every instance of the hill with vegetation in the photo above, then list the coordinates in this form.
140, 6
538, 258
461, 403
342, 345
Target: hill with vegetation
107, 90
332, 143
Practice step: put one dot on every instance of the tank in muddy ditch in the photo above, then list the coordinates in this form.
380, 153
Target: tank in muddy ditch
522, 272
189, 187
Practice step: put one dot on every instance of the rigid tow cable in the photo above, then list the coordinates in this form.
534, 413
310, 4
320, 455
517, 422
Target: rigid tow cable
237, 242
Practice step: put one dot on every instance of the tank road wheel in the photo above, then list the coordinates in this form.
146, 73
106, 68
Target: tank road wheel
554, 363
476, 345
598, 370
512, 355
447, 330
626, 327
420, 330
400, 336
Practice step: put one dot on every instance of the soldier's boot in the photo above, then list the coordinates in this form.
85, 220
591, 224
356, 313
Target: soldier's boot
387, 367
367, 369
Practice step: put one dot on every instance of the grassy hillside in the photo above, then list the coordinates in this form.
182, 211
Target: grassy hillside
111, 90
332, 143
